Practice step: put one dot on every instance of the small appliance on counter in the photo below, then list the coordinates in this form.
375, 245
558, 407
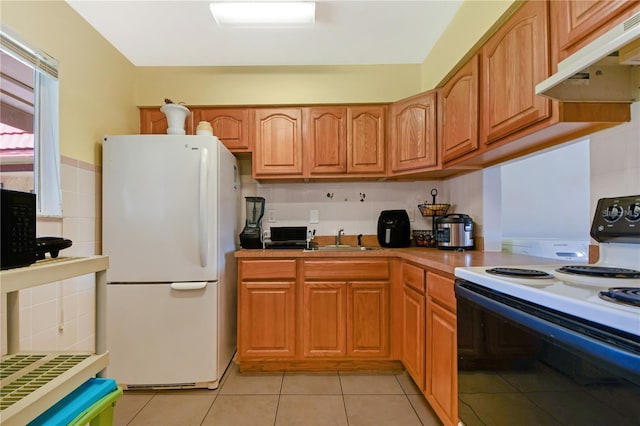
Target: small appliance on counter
18, 229
287, 237
394, 229
251, 235
454, 232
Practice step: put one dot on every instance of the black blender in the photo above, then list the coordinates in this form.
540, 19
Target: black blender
251, 235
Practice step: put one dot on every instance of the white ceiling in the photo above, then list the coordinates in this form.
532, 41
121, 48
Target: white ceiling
183, 33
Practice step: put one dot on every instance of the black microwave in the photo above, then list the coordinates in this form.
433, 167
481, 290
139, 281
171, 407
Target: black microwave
18, 228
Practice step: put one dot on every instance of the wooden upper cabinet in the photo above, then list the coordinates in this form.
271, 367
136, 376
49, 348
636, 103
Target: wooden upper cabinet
230, 125
514, 60
365, 139
578, 22
278, 142
459, 119
154, 122
413, 133
326, 140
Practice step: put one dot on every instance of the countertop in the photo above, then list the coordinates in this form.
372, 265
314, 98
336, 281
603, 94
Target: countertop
442, 261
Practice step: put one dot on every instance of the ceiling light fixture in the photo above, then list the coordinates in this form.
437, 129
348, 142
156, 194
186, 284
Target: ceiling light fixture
264, 12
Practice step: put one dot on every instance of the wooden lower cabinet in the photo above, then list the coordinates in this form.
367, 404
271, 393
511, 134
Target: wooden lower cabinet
346, 308
442, 386
442, 364
413, 334
429, 337
324, 326
368, 319
267, 319
413, 321
266, 309
314, 314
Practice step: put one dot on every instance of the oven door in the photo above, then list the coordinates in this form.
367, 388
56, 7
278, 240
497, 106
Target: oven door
521, 363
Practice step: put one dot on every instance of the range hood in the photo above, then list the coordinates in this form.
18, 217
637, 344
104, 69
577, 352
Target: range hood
605, 70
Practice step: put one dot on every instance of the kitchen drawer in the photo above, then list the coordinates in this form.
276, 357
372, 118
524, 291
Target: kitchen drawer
413, 276
267, 269
351, 270
440, 289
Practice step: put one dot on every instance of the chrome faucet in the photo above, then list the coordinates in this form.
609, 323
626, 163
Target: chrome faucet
340, 233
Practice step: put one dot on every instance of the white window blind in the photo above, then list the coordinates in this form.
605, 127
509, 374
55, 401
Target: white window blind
46, 127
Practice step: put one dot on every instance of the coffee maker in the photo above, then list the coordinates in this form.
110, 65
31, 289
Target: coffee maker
251, 235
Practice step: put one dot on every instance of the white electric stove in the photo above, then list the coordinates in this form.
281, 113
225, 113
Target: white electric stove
607, 292
576, 324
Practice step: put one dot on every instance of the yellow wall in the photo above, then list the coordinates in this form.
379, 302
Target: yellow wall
96, 81
276, 84
473, 20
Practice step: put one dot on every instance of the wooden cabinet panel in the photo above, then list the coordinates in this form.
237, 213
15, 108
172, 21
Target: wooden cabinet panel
514, 60
413, 334
278, 142
324, 325
459, 124
577, 22
326, 140
413, 133
413, 276
230, 125
441, 289
368, 319
346, 270
365, 139
266, 269
266, 319
442, 367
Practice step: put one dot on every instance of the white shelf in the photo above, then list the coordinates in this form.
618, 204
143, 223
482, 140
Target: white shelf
31, 382
50, 270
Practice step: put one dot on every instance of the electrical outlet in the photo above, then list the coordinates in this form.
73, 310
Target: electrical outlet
271, 217
313, 216
412, 215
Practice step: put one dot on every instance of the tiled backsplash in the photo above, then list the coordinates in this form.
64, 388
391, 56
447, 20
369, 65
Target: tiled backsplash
61, 315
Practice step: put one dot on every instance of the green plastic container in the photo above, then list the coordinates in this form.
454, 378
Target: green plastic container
92, 402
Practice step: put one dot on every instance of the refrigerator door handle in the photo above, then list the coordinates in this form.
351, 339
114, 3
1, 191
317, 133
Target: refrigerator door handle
203, 218
189, 286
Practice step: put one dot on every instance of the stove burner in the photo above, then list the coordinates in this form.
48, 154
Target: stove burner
623, 295
519, 273
600, 271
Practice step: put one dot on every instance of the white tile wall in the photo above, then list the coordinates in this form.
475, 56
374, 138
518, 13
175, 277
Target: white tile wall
615, 160
60, 315
354, 207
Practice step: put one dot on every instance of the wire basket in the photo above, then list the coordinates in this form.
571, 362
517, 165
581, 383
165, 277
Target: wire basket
429, 210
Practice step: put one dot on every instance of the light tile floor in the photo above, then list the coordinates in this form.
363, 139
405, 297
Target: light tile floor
283, 399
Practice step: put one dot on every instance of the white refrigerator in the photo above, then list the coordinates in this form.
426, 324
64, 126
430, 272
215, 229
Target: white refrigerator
170, 214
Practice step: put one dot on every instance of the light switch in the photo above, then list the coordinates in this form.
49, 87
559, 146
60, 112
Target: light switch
271, 217
313, 216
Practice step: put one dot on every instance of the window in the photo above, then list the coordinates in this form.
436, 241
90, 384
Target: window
29, 153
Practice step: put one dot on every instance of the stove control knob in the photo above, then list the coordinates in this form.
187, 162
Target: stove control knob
633, 214
613, 213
